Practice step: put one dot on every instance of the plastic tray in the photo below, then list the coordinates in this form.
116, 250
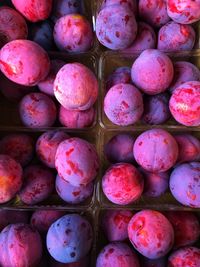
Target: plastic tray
109, 61
166, 201
54, 201
10, 110
89, 214
101, 238
88, 10
99, 133
96, 7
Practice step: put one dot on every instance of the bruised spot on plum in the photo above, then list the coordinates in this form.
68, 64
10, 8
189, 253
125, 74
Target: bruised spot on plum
77, 193
149, 4
184, 31
107, 39
75, 75
69, 24
68, 47
140, 143
78, 24
162, 38
75, 168
165, 142
161, 61
69, 151
158, 245
73, 254
8, 69
159, 236
57, 89
191, 18
158, 19
111, 250
68, 231
68, 172
121, 218
117, 34
124, 104
127, 17
117, 195
34, 98
191, 196
172, 7
11, 246
188, 91
143, 237
138, 224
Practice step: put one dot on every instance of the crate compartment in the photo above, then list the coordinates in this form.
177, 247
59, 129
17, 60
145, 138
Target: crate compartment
165, 201
109, 61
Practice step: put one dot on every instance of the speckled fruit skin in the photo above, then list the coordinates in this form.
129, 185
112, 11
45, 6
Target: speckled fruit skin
123, 104
69, 239
73, 194
184, 72
161, 262
145, 39
155, 184
174, 37
34, 10
10, 178
122, 184
65, 7
11, 217
186, 227
24, 62
155, 150
151, 234
76, 87
184, 11
117, 254
43, 219
20, 246
73, 33
152, 72
116, 27
76, 118
38, 184
187, 190
46, 85
42, 34
119, 75
154, 12
47, 144
156, 109
189, 148
37, 110
115, 224
184, 104
12, 26
77, 161
130, 4
120, 148
184, 257
19, 146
